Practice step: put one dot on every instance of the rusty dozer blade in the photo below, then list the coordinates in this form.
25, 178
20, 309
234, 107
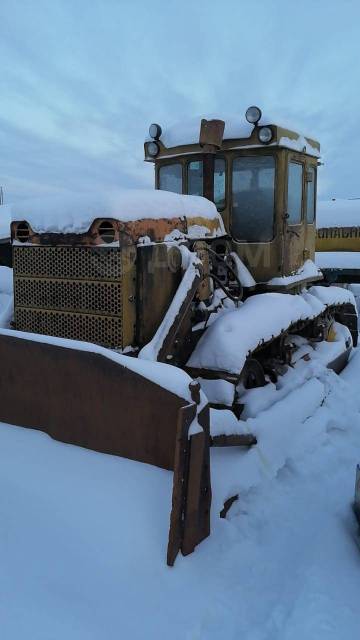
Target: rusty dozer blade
87, 395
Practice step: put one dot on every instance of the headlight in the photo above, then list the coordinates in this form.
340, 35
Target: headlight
155, 131
265, 135
153, 149
253, 115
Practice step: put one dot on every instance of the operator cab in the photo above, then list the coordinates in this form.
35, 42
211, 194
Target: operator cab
261, 177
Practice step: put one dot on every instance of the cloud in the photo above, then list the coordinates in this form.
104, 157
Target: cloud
81, 81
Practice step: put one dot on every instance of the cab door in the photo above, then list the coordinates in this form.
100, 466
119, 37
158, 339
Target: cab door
310, 237
294, 227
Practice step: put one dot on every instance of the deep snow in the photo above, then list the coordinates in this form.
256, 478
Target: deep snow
83, 535
220, 349
6, 296
338, 259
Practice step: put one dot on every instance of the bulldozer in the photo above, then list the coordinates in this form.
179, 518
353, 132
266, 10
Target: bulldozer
137, 311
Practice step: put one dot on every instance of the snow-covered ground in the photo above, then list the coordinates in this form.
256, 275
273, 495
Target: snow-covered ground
83, 535
338, 259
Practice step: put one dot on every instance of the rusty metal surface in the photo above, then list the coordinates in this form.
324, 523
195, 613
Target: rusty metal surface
155, 264
211, 134
180, 322
155, 229
176, 533
124, 233
198, 495
191, 500
86, 399
235, 440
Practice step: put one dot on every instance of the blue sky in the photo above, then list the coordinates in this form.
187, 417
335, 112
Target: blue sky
81, 81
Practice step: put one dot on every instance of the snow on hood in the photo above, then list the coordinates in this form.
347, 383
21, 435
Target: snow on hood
338, 213
74, 213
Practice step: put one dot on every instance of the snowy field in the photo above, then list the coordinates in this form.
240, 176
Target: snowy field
83, 535
338, 259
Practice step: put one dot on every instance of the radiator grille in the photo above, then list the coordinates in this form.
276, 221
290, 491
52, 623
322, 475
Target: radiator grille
70, 292
90, 263
99, 329
67, 295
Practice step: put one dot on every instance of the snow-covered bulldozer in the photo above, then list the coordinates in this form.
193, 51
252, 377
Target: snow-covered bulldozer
136, 311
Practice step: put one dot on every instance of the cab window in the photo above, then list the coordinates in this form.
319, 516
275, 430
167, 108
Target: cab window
295, 190
170, 178
195, 178
219, 183
310, 194
253, 190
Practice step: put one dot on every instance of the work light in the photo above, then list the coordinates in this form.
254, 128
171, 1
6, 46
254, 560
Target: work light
265, 135
152, 149
253, 115
155, 131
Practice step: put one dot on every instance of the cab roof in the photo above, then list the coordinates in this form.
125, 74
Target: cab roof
183, 138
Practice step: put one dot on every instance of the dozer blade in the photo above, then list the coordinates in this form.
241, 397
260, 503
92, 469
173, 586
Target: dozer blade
89, 396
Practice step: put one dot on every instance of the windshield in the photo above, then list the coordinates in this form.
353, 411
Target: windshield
219, 183
253, 188
170, 178
195, 180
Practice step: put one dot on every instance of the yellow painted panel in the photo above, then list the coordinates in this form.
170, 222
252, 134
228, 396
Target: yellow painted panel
338, 239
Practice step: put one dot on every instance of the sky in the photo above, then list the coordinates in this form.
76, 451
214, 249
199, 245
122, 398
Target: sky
82, 80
